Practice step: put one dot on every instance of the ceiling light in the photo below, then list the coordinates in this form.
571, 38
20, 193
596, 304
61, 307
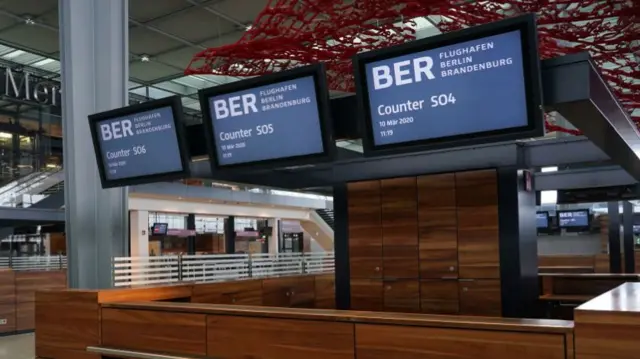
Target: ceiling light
43, 62
144, 58
29, 21
5, 135
13, 54
549, 169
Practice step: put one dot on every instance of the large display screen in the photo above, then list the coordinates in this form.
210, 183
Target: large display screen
274, 118
542, 220
140, 144
568, 219
448, 88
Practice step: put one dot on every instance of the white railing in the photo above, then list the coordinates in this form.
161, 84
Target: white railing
35, 263
140, 271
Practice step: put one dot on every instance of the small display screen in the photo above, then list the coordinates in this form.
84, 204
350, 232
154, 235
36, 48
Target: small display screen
159, 229
573, 219
542, 220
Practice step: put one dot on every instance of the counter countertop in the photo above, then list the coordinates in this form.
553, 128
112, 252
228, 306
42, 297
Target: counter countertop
625, 298
443, 321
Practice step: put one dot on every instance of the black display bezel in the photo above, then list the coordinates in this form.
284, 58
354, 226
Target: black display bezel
317, 71
575, 228
159, 234
178, 124
532, 81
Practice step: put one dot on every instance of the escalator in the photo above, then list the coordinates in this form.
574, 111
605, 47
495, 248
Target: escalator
31, 189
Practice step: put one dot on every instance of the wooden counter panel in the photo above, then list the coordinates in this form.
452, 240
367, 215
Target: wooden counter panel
384, 342
478, 242
325, 291
26, 316
28, 282
610, 335
480, 297
7, 287
167, 292
439, 296
55, 353
366, 294
265, 338
402, 295
66, 320
567, 261
365, 229
7, 318
153, 331
585, 285
243, 292
437, 226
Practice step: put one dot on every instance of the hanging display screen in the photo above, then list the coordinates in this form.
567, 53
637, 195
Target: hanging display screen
481, 85
569, 219
542, 220
271, 119
141, 143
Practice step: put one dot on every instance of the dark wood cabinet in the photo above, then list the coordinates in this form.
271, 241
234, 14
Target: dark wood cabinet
437, 225
480, 297
402, 295
246, 292
296, 292
399, 228
366, 294
439, 296
365, 230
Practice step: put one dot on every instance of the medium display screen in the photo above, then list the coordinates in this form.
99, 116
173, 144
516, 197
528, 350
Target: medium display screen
139, 144
573, 219
542, 220
470, 87
275, 121
159, 229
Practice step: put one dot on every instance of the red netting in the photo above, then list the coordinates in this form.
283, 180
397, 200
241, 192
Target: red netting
291, 33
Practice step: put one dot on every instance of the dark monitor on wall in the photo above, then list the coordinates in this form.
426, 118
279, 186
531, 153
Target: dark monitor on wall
477, 85
159, 229
140, 144
277, 120
542, 220
574, 220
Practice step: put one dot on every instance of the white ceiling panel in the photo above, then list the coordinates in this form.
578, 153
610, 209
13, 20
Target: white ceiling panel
50, 18
144, 41
244, 11
146, 10
195, 25
178, 58
7, 22
150, 71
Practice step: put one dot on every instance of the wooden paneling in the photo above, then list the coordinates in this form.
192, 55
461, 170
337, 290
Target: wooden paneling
7, 318
66, 323
7, 286
366, 294
439, 296
161, 332
266, 338
478, 236
296, 291
480, 297
566, 261
400, 228
384, 342
437, 225
602, 263
27, 282
25, 316
325, 291
402, 295
365, 229
244, 292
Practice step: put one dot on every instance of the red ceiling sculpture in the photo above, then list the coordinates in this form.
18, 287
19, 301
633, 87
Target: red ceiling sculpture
291, 33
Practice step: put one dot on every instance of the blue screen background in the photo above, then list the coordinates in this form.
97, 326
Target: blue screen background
486, 100
574, 219
542, 221
297, 130
162, 150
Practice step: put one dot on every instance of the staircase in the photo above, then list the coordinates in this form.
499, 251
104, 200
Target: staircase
326, 215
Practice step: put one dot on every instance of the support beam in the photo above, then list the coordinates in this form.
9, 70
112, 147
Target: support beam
94, 57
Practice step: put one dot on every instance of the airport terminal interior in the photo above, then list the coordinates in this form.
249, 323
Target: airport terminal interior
275, 179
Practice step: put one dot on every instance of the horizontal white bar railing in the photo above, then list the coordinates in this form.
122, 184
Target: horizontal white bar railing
140, 271
34, 263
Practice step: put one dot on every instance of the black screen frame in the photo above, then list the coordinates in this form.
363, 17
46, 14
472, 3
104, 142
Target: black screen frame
317, 71
159, 234
178, 124
575, 228
532, 81
546, 213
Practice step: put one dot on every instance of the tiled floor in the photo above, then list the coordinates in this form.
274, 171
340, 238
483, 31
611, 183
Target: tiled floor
17, 347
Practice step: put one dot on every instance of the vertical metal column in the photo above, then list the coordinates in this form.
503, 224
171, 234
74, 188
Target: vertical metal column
628, 239
615, 260
191, 240
230, 235
94, 55
341, 246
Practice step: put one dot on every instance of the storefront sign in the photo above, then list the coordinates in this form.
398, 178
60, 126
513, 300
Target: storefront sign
271, 118
141, 143
25, 86
481, 81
